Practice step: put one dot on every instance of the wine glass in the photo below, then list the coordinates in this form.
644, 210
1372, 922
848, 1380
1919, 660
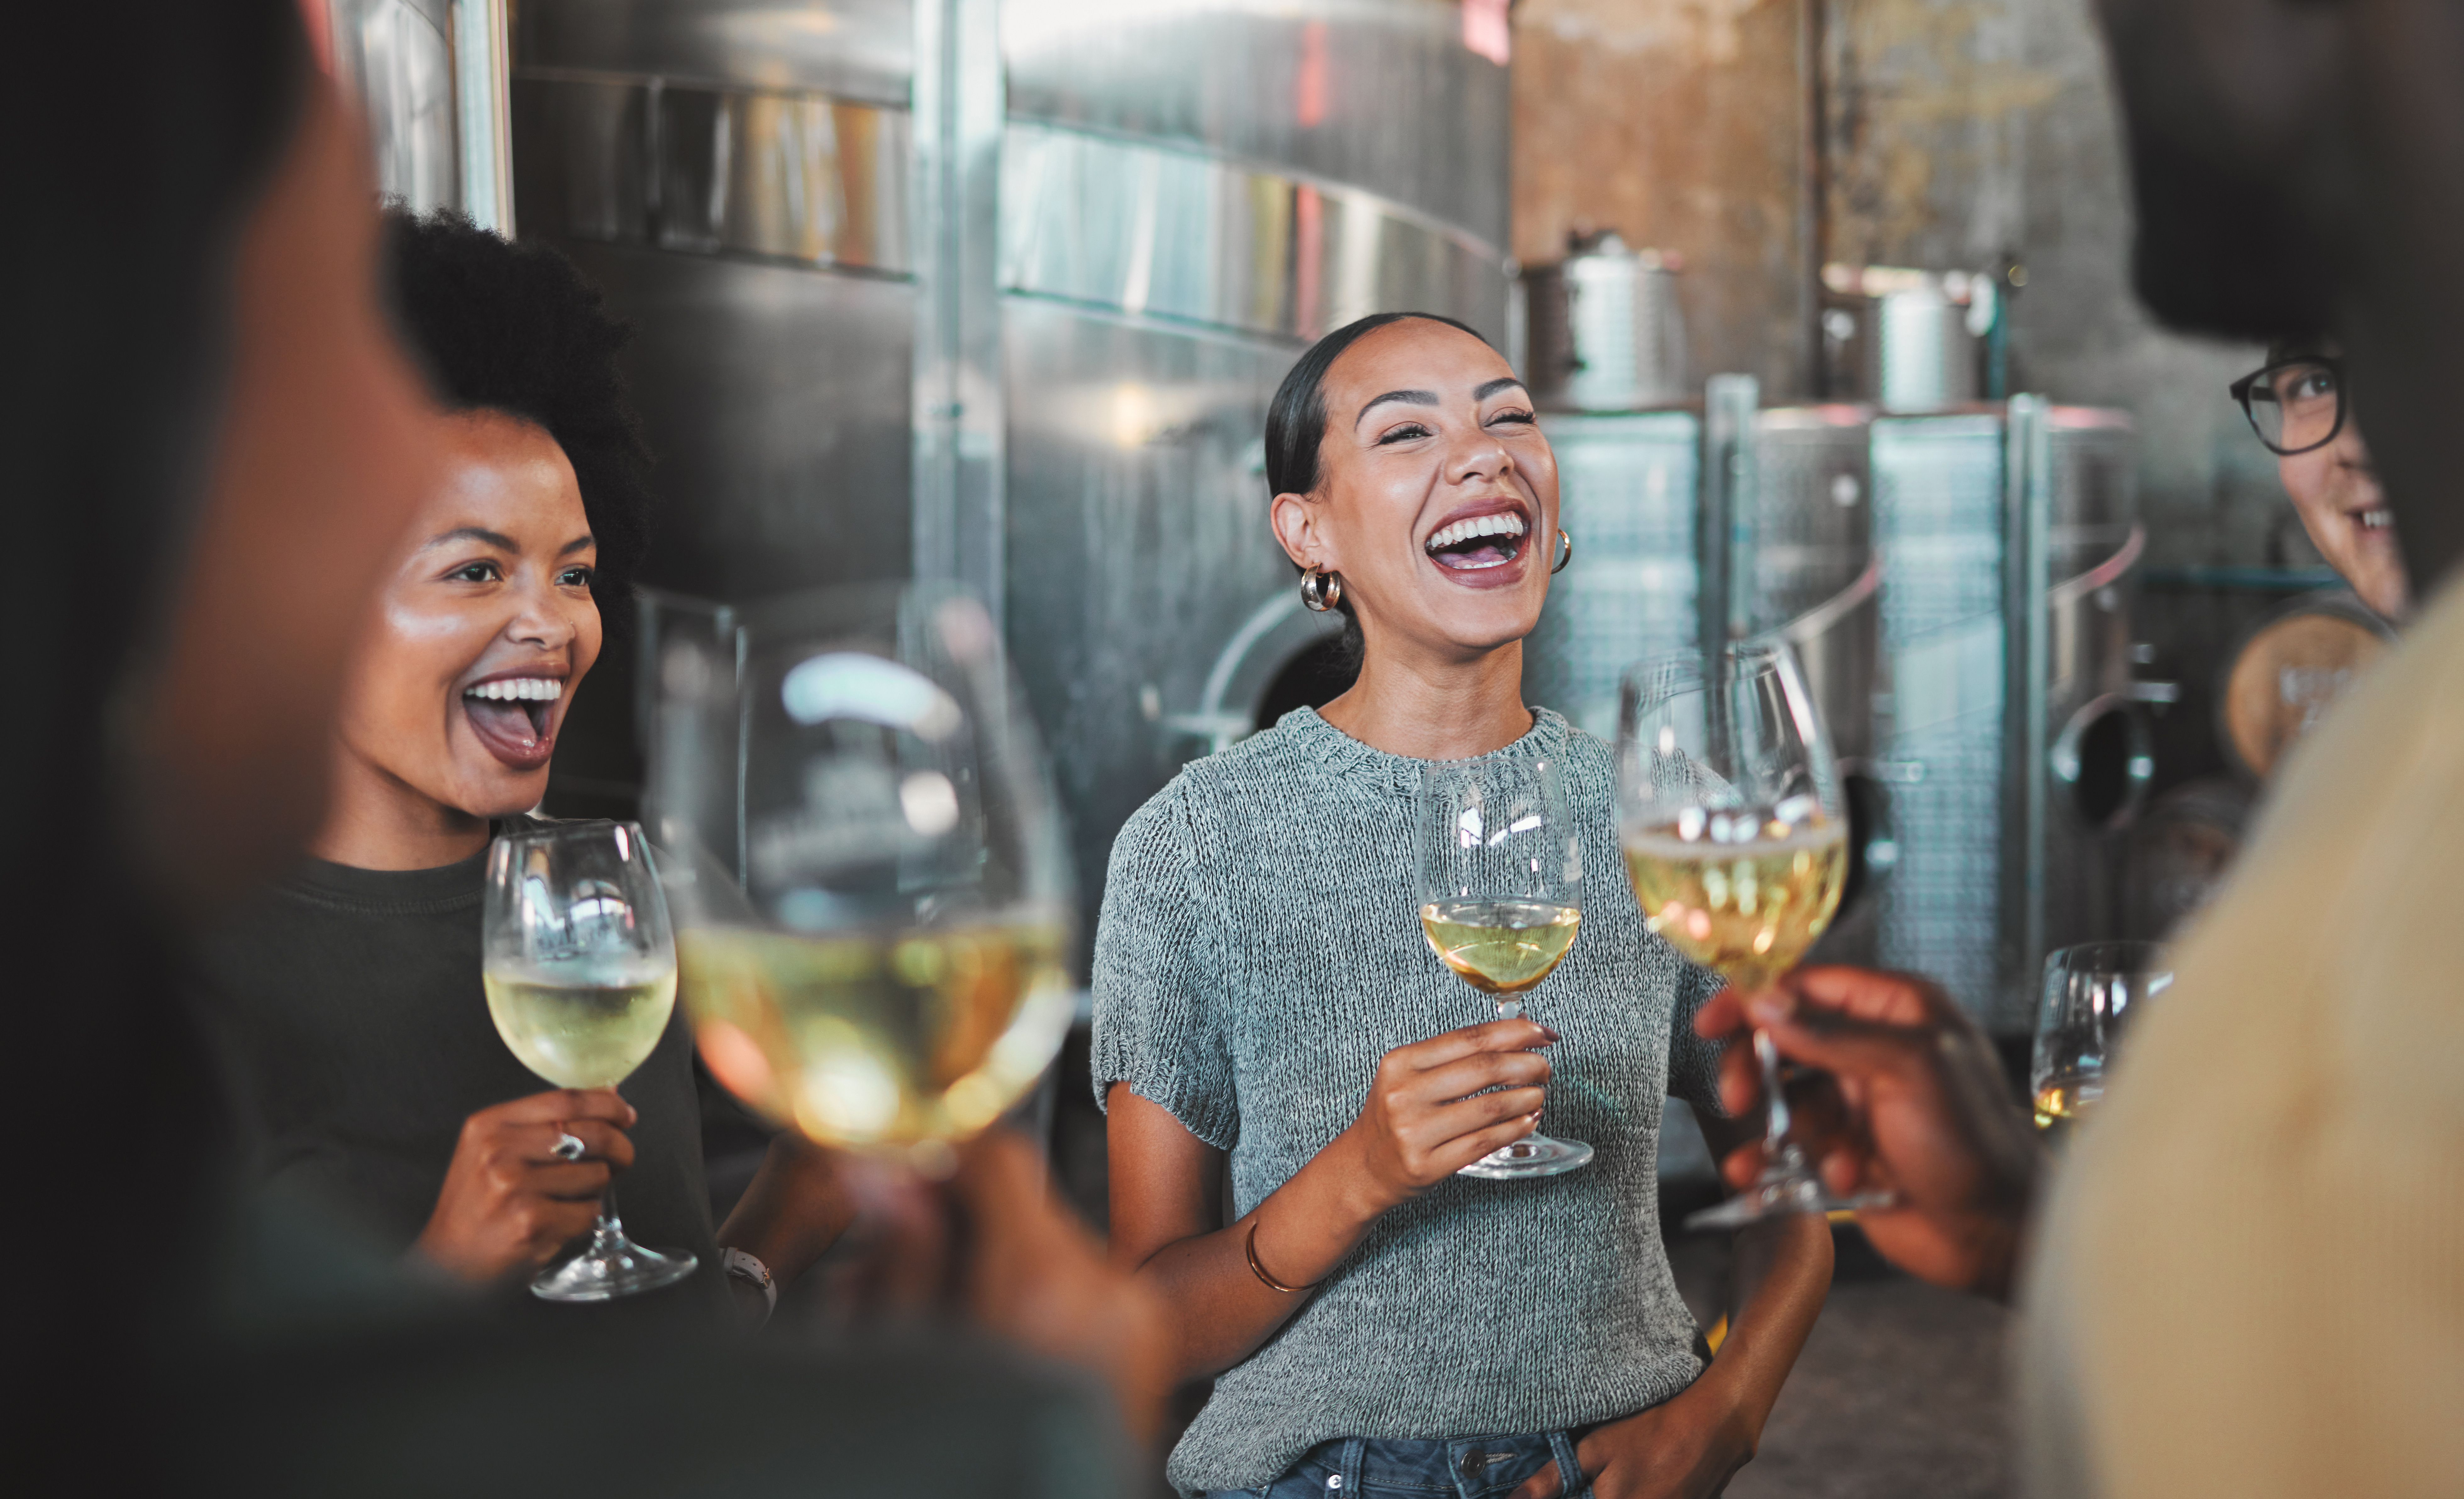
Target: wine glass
1736, 839
2090, 992
1501, 898
580, 973
876, 905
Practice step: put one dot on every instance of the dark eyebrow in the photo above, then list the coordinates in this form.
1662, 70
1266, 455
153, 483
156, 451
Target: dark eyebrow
1502, 382
1414, 398
578, 542
484, 536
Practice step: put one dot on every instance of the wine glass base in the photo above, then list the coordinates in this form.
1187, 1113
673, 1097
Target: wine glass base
1777, 1194
1533, 1155
622, 1269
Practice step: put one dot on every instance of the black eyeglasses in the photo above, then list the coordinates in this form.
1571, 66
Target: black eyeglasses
2295, 405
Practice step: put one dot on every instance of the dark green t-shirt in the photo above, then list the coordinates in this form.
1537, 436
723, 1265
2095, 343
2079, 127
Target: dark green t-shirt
347, 1007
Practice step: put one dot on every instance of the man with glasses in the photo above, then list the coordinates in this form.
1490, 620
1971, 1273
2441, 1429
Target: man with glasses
2296, 403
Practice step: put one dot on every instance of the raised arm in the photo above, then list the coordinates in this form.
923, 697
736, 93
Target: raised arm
1425, 1117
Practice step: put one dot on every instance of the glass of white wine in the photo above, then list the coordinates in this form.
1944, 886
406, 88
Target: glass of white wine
2091, 991
875, 911
580, 973
1501, 899
1736, 839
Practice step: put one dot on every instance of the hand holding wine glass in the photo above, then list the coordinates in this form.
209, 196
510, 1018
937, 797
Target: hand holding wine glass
1501, 900
581, 974
1736, 840
1911, 1102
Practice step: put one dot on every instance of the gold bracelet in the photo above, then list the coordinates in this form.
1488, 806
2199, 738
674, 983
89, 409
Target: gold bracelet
1269, 1281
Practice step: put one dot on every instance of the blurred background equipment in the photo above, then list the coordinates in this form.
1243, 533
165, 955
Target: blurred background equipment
2016, 750
1091, 239
431, 77
2289, 670
1602, 328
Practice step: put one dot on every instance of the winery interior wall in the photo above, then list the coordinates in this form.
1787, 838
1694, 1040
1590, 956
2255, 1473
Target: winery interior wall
1954, 132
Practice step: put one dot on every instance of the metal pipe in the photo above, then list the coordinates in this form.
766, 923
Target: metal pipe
957, 413
2027, 583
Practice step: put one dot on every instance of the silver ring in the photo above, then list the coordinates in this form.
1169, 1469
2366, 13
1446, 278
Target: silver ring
567, 1147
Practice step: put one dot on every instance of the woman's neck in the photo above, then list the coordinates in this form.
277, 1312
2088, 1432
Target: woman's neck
1428, 707
375, 820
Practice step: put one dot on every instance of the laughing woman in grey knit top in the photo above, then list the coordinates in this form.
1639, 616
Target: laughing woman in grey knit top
1374, 1322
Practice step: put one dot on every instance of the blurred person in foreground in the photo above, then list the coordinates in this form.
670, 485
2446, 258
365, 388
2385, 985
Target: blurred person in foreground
345, 995
2296, 404
205, 406
2248, 1278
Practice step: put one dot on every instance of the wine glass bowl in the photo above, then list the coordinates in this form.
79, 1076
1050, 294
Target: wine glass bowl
1736, 835
579, 968
874, 931
1501, 900
2091, 992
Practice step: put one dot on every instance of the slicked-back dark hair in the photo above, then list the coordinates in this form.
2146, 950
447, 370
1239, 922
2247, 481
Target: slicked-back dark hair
515, 328
1296, 417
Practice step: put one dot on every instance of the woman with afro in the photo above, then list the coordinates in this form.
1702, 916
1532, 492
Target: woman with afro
347, 997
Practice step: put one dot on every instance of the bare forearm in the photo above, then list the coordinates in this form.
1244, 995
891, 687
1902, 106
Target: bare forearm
1219, 1311
794, 1209
1780, 1274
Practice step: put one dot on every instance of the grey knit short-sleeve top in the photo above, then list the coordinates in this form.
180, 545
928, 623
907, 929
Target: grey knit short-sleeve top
1259, 950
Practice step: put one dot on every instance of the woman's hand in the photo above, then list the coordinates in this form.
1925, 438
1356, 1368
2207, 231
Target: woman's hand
1427, 1117
1689, 1447
509, 1200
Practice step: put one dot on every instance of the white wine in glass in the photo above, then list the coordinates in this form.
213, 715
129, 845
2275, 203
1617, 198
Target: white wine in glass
1736, 841
874, 935
581, 974
1501, 899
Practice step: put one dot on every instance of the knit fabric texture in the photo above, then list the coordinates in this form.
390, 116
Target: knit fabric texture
1260, 949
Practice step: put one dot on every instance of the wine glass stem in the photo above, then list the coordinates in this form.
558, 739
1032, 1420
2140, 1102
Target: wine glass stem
1775, 1119
1509, 1007
609, 1228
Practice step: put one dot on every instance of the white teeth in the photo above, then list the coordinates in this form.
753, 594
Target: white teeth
1505, 523
519, 689
2376, 520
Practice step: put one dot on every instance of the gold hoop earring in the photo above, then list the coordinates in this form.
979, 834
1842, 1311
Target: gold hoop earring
1565, 550
1321, 590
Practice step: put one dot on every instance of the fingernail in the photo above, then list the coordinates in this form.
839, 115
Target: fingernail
1771, 1006
1550, 1031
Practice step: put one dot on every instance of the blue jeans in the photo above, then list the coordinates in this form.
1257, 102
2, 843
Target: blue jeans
1468, 1467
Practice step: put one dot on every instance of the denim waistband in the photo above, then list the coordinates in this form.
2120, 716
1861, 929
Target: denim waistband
1461, 1468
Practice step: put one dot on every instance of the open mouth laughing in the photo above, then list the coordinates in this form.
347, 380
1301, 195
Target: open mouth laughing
514, 715
1490, 536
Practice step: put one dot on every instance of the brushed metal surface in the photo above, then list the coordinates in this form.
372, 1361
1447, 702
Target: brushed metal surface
776, 400
1627, 485
802, 177
397, 57
1380, 95
855, 48
1138, 545
1169, 232
1940, 523
1604, 329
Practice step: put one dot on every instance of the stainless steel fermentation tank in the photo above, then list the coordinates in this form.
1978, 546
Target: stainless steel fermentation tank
999, 293
1715, 522
2014, 746
1921, 564
430, 75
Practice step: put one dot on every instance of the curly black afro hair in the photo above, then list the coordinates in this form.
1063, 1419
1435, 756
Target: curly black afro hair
515, 328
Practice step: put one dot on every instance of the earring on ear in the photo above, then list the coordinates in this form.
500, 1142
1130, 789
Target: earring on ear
1565, 550
1321, 590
